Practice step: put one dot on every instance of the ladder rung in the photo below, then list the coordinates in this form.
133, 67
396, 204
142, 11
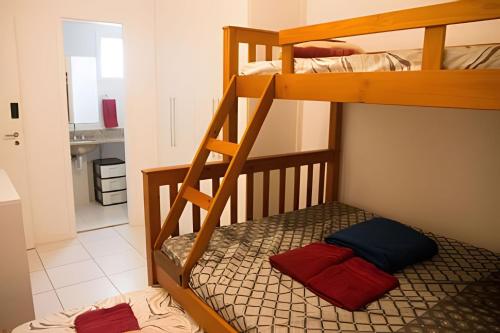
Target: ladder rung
223, 147
198, 198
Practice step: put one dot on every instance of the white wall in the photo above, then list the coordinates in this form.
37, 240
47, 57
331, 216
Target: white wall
279, 133
433, 168
40, 41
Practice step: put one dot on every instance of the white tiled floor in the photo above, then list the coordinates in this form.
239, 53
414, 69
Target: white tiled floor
97, 264
94, 215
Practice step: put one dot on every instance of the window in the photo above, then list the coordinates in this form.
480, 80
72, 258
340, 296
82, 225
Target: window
111, 57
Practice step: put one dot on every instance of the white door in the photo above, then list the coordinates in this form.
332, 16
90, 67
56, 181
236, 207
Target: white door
12, 150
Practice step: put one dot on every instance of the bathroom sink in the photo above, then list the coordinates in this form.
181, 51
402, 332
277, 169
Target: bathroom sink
82, 146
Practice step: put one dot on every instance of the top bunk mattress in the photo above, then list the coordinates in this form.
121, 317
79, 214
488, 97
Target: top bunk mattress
458, 290
455, 57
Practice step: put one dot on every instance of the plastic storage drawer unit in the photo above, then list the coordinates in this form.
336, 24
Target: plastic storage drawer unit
110, 183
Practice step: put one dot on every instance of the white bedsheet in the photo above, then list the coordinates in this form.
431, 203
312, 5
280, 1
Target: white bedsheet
456, 57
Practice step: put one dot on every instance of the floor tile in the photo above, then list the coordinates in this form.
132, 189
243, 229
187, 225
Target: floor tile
135, 235
34, 261
70, 274
94, 215
108, 247
86, 293
49, 247
128, 231
46, 303
97, 235
120, 262
142, 250
40, 282
64, 256
133, 280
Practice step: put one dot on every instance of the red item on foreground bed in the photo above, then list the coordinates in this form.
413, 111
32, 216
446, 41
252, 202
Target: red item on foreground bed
120, 318
352, 284
303, 263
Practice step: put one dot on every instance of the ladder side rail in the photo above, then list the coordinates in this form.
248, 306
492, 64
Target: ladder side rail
229, 181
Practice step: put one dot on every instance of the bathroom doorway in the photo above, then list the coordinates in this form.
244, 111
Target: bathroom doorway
95, 91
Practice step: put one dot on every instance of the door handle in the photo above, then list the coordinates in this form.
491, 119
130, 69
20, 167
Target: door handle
12, 136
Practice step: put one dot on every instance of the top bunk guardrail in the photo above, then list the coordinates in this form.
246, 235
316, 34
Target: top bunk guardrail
433, 18
431, 86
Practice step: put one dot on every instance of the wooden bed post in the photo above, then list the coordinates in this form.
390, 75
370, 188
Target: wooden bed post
434, 38
334, 141
287, 60
230, 128
152, 223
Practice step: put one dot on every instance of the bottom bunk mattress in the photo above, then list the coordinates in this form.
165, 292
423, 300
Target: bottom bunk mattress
458, 290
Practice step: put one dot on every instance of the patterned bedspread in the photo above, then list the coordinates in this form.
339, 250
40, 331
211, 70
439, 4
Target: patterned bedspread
456, 57
235, 278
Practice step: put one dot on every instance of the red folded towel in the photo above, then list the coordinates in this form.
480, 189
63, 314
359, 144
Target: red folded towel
303, 263
109, 113
118, 319
352, 284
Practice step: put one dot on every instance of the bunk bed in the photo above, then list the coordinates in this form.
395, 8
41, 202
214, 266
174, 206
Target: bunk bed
221, 275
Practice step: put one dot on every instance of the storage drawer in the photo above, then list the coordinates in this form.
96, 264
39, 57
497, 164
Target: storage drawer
111, 184
111, 198
109, 168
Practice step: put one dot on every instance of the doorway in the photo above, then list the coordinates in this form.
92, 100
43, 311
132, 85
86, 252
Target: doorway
95, 90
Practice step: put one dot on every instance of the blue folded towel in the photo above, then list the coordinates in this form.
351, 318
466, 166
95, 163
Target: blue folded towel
387, 244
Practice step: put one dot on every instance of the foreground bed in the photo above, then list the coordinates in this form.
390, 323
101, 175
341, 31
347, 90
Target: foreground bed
154, 309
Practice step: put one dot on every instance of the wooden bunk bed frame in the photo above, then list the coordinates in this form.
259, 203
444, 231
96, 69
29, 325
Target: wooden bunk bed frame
432, 86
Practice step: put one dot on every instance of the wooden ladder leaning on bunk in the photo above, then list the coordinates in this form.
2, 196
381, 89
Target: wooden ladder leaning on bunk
238, 154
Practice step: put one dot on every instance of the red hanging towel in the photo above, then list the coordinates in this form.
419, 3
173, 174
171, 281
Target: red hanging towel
118, 319
303, 263
352, 284
109, 113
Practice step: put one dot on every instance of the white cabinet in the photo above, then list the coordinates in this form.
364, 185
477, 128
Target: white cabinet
16, 306
189, 62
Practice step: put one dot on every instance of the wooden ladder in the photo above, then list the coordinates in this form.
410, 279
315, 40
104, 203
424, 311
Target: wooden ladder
238, 154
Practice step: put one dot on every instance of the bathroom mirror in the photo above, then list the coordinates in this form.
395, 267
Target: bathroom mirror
82, 90
94, 73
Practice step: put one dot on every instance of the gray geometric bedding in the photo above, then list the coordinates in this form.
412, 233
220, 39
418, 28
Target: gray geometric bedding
235, 278
474, 309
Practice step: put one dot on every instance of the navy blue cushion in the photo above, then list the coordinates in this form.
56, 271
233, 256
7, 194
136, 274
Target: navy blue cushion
387, 244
